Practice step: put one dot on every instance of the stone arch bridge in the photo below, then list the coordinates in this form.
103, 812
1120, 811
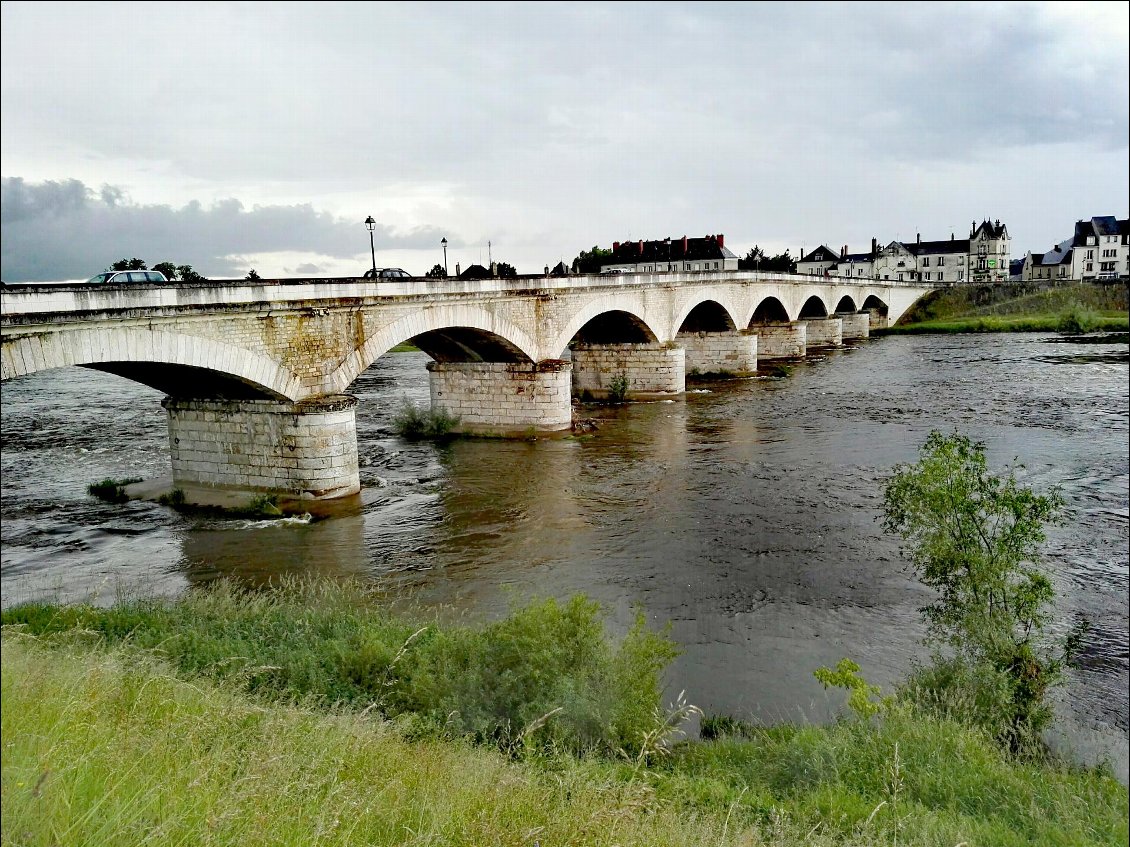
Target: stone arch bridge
257, 373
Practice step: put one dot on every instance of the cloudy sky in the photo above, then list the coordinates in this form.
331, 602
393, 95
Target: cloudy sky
231, 136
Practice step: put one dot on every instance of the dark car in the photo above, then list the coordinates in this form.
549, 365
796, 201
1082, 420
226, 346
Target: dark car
387, 273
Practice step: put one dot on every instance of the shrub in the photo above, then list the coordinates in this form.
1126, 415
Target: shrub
111, 490
618, 387
418, 424
1077, 321
975, 538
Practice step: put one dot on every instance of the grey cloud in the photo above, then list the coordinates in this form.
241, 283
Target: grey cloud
65, 230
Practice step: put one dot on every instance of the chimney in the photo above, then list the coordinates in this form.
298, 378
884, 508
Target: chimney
843, 252
919, 238
457, 269
684, 246
721, 241
615, 246
641, 246
494, 268
874, 246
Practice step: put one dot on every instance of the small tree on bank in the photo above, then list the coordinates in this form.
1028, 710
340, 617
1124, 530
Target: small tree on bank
975, 538
437, 272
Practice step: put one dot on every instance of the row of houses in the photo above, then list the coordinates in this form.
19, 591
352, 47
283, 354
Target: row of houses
1098, 250
982, 257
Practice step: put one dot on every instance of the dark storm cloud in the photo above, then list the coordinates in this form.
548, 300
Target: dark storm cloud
66, 230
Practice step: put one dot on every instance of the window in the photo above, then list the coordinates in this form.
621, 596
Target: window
926, 262
941, 261
1090, 254
1089, 267
1090, 239
941, 277
927, 276
900, 277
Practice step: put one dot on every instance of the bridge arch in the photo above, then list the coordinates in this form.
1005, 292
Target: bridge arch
177, 364
455, 333
706, 315
846, 305
626, 311
813, 308
769, 310
874, 304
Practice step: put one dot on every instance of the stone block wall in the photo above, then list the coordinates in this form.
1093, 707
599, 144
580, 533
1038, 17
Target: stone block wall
304, 450
503, 397
719, 352
825, 332
651, 369
854, 325
781, 341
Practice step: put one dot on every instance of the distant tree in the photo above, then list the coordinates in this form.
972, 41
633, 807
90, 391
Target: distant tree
506, 269
252, 274
437, 272
754, 260
134, 264
589, 261
186, 274
781, 263
167, 268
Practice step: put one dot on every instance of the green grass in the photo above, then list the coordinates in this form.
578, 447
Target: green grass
314, 714
1018, 307
417, 424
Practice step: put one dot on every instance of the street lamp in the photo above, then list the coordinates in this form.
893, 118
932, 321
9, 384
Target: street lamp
372, 224
443, 241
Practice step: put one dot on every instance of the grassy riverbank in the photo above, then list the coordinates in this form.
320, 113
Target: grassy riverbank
1019, 307
318, 714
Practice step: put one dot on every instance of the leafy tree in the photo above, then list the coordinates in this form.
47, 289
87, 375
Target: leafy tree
975, 538
134, 264
186, 274
589, 261
437, 272
167, 268
505, 269
252, 274
754, 260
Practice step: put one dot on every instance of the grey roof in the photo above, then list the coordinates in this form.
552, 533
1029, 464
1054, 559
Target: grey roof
1105, 225
930, 248
629, 252
1056, 256
823, 253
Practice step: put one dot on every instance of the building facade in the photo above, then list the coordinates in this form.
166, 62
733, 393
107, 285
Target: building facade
671, 254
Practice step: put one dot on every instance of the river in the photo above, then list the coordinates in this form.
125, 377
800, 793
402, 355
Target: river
746, 514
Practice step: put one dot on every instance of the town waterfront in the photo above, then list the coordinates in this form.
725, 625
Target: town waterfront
745, 513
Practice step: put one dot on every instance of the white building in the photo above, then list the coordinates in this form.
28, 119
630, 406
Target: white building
982, 257
671, 254
1100, 249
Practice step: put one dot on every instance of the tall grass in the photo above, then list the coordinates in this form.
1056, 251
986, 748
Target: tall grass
115, 746
331, 644
418, 424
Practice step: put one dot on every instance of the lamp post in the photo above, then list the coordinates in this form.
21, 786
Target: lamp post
443, 241
372, 224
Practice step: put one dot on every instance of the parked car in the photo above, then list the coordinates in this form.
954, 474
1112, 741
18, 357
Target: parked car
116, 277
387, 273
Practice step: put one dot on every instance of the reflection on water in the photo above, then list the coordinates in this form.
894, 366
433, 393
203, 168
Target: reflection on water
745, 514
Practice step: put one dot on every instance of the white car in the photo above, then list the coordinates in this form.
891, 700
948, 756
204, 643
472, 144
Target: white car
116, 277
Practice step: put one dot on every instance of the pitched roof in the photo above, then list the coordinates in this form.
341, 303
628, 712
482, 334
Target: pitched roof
708, 247
474, 272
945, 247
992, 229
821, 254
1105, 225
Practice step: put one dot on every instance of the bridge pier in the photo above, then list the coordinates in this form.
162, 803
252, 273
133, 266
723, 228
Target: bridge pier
877, 320
500, 398
305, 451
825, 332
782, 341
854, 325
719, 352
651, 370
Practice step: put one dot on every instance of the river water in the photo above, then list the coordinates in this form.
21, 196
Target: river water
745, 514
